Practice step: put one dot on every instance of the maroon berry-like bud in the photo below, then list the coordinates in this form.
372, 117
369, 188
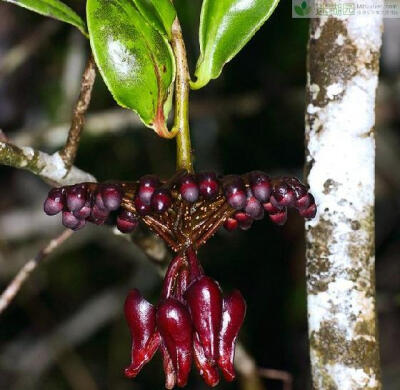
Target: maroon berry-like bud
127, 221
253, 207
98, 215
304, 202
231, 224
98, 201
54, 202
235, 192
260, 185
244, 220
147, 186
81, 224
189, 189
234, 311
112, 196
69, 220
161, 200
141, 318
142, 208
270, 208
208, 184
297, 186
280, 217
84, 212
204, 300
76, 197
207, 369
175, 327
282, 195
310, 211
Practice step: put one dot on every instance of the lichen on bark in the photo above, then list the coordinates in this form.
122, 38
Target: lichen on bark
340, 150
51, 168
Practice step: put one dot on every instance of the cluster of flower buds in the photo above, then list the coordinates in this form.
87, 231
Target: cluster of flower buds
83, 202
257, 193
249, 197
192, 322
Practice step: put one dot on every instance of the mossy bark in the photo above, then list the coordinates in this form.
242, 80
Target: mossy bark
342, 78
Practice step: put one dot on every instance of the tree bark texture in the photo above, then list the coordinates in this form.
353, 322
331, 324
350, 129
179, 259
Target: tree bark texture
342, 76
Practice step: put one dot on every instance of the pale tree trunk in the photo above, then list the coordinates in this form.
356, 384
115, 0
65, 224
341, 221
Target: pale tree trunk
343, 64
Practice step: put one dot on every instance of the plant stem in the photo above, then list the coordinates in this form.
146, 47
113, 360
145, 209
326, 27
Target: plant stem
181, 121
68, 153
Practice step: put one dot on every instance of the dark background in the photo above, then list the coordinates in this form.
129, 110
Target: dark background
65, 330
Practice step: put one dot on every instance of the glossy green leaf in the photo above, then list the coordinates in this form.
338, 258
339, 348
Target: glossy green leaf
136, 62
225, 27
159, 13
55, 9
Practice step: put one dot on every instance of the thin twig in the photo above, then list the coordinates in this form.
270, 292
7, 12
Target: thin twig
246, 367
284, 376
15, 285
181, 120
68, 153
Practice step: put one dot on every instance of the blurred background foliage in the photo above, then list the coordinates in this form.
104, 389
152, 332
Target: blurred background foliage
66, 329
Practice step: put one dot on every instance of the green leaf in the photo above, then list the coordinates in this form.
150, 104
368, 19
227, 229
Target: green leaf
55, 9
225, 27
159, 13
136, 62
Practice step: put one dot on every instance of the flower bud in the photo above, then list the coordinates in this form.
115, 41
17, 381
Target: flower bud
206, 369
54, 202
231, 224
280, 217
260, 185
204, 300
253, 207
141, 207
83, 212
169, 370
127, 221
189, 189
112, 196
161, 200
76, 197
282, 195
310, 211
70, 221
175, 327
244, 220
147, 186
235, 191
208, 184
234, 310
141, 318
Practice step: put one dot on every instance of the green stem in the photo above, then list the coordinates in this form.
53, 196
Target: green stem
181, 121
